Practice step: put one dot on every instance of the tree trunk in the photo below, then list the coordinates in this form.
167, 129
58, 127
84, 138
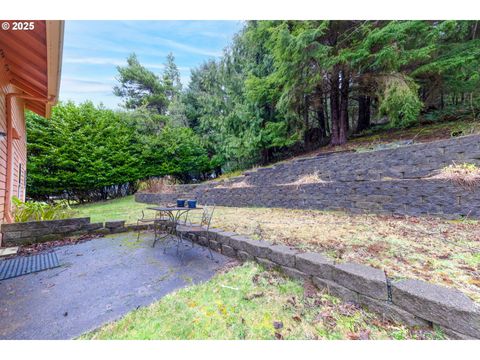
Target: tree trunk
306, 121
343, 123
320, 111
265, 156
363, 122
334, 107
327, 124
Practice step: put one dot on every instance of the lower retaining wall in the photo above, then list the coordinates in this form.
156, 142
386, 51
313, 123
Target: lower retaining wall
407, 197
413, 302
30, 232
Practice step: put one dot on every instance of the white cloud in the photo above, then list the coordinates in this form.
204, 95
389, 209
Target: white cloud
109, 61
81, 85
93, 61
188, 48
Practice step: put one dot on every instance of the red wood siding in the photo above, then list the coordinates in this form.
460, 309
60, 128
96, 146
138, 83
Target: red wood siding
19, 146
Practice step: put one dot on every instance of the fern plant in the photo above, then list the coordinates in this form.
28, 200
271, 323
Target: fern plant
37, 210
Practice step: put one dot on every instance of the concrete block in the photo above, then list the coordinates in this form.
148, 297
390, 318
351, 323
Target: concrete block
237, 242
224, 237
314, 264
202, 240
454, 335
228, 251
95, 226
362, 279
294, 273
215, 245
392, 312
244, 256
267, 264
283, 255
115, 224
336, 290
441, 305
257, 248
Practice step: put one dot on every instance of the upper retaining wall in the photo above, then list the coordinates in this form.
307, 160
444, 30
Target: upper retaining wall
406, 162
406, 197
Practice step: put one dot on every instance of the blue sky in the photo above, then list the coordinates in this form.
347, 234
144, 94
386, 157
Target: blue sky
93, 49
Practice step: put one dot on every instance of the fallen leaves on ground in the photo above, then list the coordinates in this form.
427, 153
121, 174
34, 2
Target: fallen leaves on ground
26, 250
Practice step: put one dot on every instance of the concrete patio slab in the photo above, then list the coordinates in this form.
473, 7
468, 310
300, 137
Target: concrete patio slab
9, 251
99, 281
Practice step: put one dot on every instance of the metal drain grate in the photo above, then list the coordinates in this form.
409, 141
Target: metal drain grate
23, 265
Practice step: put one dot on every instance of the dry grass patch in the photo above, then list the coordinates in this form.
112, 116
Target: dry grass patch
313, 178
235, 185
241, 184
466, 175
444, 252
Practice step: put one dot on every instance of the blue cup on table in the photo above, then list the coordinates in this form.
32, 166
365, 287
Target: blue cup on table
180, 203
192, 204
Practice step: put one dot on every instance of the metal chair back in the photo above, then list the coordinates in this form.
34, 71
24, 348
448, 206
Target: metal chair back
207, 215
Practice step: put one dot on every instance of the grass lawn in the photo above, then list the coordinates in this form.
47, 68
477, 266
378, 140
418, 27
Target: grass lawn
248, 302
444, 252
118, 209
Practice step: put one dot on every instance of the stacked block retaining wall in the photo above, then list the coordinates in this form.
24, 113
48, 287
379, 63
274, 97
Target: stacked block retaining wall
30, 232
391, 181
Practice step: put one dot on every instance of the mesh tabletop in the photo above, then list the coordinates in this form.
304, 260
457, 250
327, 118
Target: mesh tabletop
173, 208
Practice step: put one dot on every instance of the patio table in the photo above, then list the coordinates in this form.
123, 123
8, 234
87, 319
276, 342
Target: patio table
174, 214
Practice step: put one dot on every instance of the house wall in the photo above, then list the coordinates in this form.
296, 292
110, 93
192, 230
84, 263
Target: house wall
19, 145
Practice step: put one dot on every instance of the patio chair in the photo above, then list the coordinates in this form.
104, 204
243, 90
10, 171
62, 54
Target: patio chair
204, 225
159, 217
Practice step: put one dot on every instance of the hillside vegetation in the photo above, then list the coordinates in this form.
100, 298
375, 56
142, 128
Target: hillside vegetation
281, 89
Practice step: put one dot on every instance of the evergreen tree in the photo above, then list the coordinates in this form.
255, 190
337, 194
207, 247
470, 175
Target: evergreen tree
140, 87
171, 79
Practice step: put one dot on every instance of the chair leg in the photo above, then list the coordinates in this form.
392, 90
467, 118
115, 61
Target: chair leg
209, 248
155, 234
179, 242
138, 231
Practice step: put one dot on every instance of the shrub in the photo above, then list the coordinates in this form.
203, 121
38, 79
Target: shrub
175, 151
399, 100
156, 185
83, 153
89, 153
37, 210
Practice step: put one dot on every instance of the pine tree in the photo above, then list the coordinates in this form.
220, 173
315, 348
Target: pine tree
171, 79
140, 87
